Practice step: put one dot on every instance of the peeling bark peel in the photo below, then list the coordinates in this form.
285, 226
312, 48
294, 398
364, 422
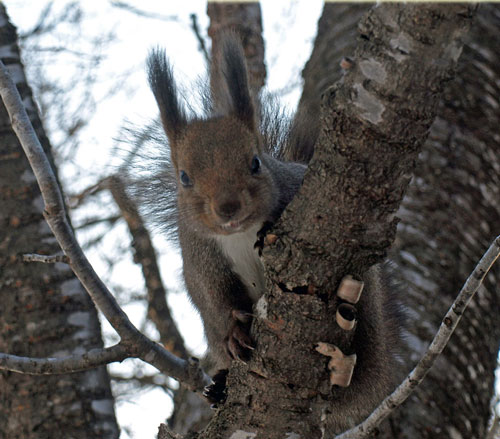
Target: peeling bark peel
341, 366
350, 289
346, 316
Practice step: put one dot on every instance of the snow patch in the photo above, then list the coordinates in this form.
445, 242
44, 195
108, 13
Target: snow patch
80, 318
292, 435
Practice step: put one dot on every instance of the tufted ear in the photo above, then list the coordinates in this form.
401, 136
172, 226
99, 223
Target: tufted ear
229, 81
161, 81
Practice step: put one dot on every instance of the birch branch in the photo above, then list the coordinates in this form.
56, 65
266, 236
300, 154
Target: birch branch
55, 214
69, 364
46, 259
448, 325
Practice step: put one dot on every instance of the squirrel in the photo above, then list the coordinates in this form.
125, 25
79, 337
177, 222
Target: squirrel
229, 180
228, 187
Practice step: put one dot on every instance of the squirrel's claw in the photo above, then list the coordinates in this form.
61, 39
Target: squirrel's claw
216, 393
241, 316
239, 343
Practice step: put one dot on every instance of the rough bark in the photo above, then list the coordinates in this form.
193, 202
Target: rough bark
45, 311
432, 209
335, 40
341, 222
448, 218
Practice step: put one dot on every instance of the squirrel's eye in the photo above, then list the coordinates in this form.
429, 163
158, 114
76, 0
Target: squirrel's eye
185, 180
255, 165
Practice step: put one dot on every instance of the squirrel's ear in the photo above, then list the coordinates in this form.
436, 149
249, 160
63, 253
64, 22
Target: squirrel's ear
229, 81
161, 81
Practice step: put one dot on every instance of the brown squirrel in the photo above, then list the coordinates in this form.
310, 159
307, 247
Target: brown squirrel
228, 187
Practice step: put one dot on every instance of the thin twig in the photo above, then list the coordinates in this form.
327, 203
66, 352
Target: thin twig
138, 344
78, 199
69, 364
201, 41
448, 325
46, 259
142, 13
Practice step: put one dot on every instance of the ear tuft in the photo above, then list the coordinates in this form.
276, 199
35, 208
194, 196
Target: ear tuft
229, 80
161, 81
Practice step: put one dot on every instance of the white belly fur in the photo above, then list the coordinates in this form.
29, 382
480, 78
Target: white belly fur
239, 249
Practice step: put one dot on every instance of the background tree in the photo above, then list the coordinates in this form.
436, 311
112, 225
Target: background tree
45, 311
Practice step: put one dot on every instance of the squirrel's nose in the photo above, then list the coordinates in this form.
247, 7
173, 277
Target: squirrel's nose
227, 209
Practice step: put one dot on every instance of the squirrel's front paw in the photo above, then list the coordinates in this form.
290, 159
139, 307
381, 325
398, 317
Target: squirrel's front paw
216, 392
239, 343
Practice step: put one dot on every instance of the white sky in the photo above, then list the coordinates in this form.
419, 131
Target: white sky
289, 28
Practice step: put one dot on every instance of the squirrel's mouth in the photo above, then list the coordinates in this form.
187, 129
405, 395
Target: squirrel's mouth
234, 226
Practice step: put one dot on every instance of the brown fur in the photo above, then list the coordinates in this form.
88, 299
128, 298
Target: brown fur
221, 192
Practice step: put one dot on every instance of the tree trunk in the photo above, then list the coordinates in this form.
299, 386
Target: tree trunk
341, 222
246, 20
44, 310
448, 219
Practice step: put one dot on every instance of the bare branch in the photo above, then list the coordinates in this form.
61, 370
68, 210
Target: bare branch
139, 345
46, 259
448, 325
69, 364
201, 41
141, 12
78, 199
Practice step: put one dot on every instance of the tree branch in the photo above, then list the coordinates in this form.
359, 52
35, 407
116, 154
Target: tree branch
46, 259
448, 325
199, 38
56, 217
69, 364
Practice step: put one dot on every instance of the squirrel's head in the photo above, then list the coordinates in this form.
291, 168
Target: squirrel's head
223, 184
